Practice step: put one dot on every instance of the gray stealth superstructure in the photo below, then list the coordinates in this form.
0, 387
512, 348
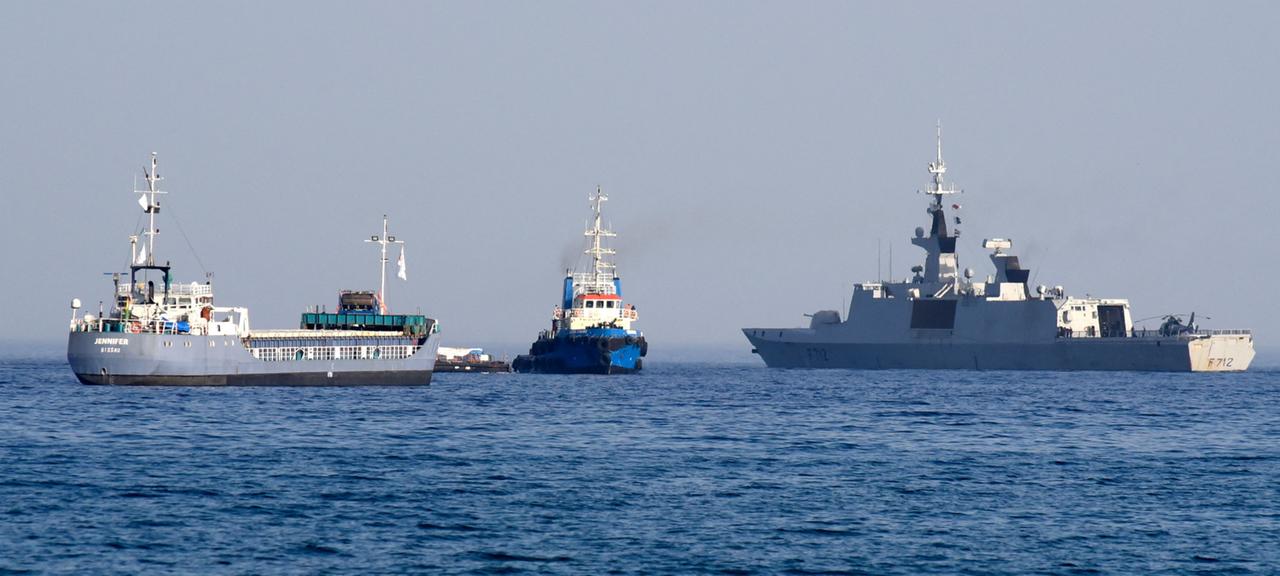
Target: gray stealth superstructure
941, 318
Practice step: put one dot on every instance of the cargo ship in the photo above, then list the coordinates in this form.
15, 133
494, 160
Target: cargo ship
944, 318
159, 331
591, 328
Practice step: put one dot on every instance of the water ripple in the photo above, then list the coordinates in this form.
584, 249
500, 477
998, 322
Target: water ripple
715, 469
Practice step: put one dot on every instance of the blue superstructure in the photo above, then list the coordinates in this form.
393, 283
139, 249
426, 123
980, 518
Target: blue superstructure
591, 329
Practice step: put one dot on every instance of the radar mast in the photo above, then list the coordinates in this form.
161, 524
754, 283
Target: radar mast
603, 268
940, 264
382, 241
938, 168
152, 207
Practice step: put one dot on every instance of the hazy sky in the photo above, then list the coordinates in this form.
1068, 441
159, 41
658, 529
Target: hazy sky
754, 152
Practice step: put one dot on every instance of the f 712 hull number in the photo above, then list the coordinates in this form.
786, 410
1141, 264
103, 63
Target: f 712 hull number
1220, 363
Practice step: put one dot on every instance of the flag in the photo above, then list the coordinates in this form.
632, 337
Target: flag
142, 256
400, 262
142, 201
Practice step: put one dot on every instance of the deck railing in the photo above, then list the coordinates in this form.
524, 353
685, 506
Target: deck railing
592, 283
1155, 334
175, 289
624, 313
299, 353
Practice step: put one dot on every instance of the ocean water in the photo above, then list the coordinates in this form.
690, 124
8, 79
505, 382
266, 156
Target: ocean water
686, 468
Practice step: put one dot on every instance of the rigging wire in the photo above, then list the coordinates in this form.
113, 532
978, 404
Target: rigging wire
177, 221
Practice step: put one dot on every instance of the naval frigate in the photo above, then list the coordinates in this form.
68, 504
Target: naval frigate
163, 332
941, 318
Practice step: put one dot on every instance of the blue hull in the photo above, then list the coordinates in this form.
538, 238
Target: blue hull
590, 351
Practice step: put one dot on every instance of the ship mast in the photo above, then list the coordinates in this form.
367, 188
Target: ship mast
603, 268
382, 241
940, 264
938, 168
149, 205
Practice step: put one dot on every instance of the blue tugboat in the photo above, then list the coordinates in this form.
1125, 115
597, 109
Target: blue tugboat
591, 329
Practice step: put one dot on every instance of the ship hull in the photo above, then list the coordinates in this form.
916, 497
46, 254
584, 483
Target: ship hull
366, 378
594, 351
798, 348
212, 360
465, 367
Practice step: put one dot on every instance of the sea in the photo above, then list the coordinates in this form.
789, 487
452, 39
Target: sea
687, 468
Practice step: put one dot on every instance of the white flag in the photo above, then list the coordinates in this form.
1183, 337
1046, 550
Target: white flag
142, 201
142, 256
400, 262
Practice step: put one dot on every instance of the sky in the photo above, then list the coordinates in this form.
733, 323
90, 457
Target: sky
755, 153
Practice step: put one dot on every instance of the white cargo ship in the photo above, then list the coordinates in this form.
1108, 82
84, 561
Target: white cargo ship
162, 332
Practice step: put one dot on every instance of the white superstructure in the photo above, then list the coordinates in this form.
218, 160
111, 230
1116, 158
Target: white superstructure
596, 298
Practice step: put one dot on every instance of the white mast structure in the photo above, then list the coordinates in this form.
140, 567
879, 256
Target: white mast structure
383, 241
938, 168
152, 207
603, 269
940, 264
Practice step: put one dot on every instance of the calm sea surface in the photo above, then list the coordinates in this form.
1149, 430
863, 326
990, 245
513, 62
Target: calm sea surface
684, 469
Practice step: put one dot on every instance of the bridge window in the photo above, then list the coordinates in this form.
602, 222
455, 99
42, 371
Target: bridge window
610, 304
933, 314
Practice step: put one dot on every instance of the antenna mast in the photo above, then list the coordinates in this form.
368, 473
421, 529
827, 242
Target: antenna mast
603, 268
151, 206
938, 168
382, 241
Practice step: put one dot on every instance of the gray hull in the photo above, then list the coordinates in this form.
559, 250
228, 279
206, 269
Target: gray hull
798, 348
199, 360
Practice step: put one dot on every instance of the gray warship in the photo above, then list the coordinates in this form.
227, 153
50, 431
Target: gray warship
941, 318
162, 332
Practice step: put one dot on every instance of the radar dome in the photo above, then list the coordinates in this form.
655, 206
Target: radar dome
919, 232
